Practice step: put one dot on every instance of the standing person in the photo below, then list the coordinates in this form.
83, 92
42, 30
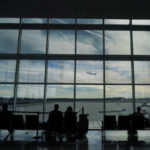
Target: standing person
6, 118
55, 120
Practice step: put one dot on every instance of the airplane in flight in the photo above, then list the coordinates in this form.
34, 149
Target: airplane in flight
91, 73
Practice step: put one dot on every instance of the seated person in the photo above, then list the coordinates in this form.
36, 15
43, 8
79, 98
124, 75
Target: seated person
55, 120
70, 120
6, 118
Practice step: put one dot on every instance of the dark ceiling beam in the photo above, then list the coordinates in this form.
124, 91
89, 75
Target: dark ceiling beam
74, 8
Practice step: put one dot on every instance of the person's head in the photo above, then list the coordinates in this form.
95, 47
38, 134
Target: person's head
138, 109
5, 106
69, 108
56, 107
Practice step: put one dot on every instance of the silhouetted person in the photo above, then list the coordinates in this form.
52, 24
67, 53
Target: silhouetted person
137, 113
55, 120
70, 120
6, 118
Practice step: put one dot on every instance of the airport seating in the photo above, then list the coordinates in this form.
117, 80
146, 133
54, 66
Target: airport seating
109, 122
123, 122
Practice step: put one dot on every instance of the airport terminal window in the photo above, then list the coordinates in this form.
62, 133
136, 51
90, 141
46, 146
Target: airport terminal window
118, 71
8, 41
33, 41
89, 71
60, 91
101, 64
7, 70
89, 91
31, 71
89, 42
35, 20
60, 71
142, 71
61, 42
117, 42
141, 41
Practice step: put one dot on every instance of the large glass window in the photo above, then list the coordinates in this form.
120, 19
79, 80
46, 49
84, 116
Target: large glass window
35, 20
142, 71
141, 42
89, 42
8, 41
62, 21
117, 42
89, 72
89, 21
7, 70
118, 72
60, 71
31, 71
33, 41
62, 42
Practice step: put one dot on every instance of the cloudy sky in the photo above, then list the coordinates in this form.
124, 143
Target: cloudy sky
62, 71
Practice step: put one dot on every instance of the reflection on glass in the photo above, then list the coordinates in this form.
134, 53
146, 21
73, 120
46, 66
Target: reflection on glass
116, 21
8, 41
142, 92
30, 97
60, 91
89, 91
7, 70
89, 21
31, 71
33, 41
117, 42
62, 21
141, 42
118, 72
60, 71
141, 22
142, 71
9, 20
118, 92
119, 108
62, 42
89, 42
35, 20
89, 72
95, 111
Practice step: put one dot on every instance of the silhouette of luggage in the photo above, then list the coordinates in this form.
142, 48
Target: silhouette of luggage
83, 124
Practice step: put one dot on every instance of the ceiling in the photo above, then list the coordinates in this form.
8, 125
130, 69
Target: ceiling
73, 8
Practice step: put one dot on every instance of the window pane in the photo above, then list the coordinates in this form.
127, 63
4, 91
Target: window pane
62, 21
33, 41
60, 71
62, 41
118, 93
7, 70
60, 91
30, 97
142, 93
142, 71
8, 41
6, 93
118, 72
89, 91
117, 42
95, 111
116, 21
31, 71
119, 108
89, 21
9, 20
89, 42
141, 22
89, 72
35, 20
141, 42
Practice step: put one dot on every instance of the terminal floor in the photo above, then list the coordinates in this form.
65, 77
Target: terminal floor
114, 140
